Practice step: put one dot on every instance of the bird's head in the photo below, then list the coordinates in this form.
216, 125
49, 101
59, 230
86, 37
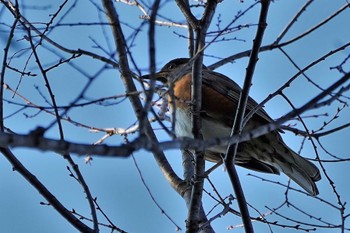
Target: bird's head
172, 70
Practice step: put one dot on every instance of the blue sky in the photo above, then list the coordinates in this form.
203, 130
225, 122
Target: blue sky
116, 182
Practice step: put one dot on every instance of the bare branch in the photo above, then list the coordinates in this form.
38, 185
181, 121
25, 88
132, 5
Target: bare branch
17, 165
126, 76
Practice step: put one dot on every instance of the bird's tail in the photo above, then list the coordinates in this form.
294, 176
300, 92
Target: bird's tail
300, 170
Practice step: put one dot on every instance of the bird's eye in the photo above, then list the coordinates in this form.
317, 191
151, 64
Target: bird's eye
171, 66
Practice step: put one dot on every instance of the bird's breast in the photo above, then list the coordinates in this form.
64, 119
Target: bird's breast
210, 129
183, 123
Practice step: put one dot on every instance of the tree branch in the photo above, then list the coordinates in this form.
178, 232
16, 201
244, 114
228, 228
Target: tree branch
126, 77
35, 140
238, 123
17, 166
196, 213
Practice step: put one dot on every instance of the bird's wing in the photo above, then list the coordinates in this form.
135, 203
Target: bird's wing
226, 88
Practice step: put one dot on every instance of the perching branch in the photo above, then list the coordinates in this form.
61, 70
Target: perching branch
35, 139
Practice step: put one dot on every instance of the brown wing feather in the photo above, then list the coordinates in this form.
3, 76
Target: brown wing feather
213, 81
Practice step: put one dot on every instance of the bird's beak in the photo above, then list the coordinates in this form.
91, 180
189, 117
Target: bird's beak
160, 76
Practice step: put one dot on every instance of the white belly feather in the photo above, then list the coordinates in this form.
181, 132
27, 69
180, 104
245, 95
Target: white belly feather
183, 128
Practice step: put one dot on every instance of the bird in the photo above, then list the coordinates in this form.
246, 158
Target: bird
220, 95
